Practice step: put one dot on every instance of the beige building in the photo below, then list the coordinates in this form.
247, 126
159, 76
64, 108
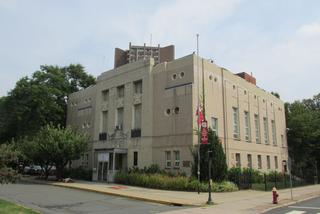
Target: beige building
144, 113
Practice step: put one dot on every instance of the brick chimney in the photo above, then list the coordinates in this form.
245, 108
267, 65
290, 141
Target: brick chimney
247, 77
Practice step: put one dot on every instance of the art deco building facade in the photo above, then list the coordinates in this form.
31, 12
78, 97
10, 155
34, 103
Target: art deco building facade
144, 112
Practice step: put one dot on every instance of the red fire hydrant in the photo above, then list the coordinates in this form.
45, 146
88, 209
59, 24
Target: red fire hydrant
275, 195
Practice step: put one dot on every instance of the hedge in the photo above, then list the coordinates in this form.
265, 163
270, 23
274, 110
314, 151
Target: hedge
166, 182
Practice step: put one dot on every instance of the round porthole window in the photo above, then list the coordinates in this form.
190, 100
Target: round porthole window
181, 74
215, 79
176, 110
174, 76
234, 87
245, 92
210, 77
167, 112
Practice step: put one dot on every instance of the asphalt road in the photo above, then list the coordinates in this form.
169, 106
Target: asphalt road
311, 206
52, 200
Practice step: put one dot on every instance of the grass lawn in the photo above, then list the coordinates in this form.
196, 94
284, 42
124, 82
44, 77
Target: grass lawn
8, 207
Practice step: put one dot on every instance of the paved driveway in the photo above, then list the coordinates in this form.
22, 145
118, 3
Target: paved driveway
311, 206
51, 200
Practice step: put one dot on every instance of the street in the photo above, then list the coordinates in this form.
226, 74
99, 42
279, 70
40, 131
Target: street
53, 200
311, 206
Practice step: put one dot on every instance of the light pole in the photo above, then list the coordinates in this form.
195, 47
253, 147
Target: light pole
198, 81
210, 202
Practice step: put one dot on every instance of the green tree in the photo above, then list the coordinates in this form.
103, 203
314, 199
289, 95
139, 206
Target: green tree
55, 146
40, 100
8, 157
303, 122
219, 165
276, 94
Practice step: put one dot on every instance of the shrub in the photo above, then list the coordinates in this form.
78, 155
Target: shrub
224, 186
274, 175
255, 176
163, 181
153, 169
78, 173
234, 174
219, 164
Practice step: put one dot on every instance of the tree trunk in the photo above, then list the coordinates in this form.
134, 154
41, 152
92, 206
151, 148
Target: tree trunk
59, 173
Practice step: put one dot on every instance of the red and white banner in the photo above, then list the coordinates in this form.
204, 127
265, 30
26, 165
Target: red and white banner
204, 132
200, 115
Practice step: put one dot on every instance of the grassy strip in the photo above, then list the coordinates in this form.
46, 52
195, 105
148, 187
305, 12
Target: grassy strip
8, 207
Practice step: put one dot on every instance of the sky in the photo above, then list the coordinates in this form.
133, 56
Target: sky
277, 40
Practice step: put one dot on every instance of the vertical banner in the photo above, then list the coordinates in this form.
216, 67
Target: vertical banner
204, 132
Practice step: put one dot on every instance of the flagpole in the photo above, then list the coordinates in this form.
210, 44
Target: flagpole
198, 111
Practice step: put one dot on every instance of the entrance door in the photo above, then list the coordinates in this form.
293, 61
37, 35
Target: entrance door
105, 171
102, 171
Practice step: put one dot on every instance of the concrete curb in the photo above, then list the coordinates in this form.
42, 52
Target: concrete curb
159, 201
290, 203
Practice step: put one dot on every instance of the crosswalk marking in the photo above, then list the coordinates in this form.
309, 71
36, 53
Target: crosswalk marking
296, 212
308, 208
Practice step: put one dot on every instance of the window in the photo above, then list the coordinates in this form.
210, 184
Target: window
138, 87
119, 118
214, 125
276, 162
235, 123
268, 162
176, 159
274, 135
105, 95
104, 123
247, 125
259, 162
120, 91
238, 160
174, 76
266, 130
135, 158
257, 127
137, 116
176, 110
249, 157
168, 159
167, 112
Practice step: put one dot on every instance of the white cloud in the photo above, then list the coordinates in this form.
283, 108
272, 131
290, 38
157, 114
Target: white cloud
290, 66
177, 22
309, 30
44, 32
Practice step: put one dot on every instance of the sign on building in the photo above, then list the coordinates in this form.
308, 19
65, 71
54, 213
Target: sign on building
103, 157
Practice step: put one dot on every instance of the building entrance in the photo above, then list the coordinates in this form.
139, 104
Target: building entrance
103, 166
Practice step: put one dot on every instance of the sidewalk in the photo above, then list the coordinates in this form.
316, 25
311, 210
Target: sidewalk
245, 201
